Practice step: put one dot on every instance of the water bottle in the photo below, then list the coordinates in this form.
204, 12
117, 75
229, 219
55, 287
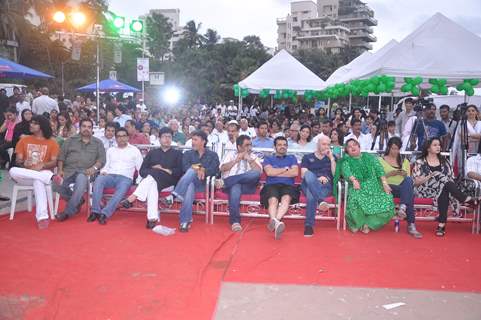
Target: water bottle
396, 225
163, 230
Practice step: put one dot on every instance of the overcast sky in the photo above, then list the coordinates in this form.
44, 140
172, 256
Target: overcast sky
238, 18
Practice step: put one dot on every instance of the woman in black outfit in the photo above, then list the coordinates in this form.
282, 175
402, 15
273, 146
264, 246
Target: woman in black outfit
433, 178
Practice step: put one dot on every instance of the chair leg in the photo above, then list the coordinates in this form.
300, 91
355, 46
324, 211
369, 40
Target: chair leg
57, 201
13, 203
50, 202
29, 200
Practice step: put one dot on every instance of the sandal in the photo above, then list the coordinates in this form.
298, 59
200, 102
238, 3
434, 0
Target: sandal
365, 229
440, 231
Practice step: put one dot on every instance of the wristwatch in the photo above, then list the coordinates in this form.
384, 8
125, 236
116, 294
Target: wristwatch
96, 169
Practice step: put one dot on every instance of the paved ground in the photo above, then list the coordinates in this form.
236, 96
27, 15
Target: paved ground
258, 301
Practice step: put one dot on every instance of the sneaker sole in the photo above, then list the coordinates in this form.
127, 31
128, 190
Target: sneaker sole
308, 235
279, 230
271, 226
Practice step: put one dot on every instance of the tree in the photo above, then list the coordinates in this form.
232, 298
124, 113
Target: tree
159, 33
211, 38
192, 34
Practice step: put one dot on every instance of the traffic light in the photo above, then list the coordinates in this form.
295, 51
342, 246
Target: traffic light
137, 26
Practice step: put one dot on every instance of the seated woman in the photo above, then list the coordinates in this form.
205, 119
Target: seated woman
370, 203
398, 176
433, 178
337, 140
304, 140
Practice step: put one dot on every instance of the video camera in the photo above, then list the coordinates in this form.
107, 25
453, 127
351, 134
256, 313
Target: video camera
460, 111
421, 103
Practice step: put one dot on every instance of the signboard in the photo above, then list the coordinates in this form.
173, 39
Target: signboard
113, 75
142, 69
157, 78
76, 50
117, 52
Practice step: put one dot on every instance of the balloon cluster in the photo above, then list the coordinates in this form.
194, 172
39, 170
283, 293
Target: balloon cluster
438, 86
467, 86
412, 85
264, 93
238, 91
286, 94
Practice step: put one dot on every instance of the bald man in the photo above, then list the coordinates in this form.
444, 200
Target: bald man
317, 171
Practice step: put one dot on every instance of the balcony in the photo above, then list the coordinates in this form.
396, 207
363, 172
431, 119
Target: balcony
281, 20
370, 21
363, 35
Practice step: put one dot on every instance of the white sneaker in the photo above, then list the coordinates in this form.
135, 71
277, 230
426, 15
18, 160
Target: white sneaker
323, 206
271, 226
236, 227
280, 227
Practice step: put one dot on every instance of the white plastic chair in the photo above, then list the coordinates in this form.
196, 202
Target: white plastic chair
29, 189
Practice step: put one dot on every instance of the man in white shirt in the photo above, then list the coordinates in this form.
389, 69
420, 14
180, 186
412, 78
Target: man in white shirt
220, 132
229, 145
22, 105
108, 138
364, 140
141, 106
118, 173
232, 110
245, 129
44, 104
240, 171
120, 116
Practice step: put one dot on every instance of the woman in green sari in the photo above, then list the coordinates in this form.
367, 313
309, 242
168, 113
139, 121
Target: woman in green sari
370, 203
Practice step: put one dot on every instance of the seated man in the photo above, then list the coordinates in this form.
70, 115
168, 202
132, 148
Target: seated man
118, 173
279, 191
36, 157
262, 140
81, 157
241, 171
108, 138
135, 137
473, 169
317, 171
198, 164
161, 169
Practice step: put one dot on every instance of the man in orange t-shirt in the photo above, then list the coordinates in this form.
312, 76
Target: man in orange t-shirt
36, 157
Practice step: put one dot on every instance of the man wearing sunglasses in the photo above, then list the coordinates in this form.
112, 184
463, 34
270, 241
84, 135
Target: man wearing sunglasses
241, 171
118, 173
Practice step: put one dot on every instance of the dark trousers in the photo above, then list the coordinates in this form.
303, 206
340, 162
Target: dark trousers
405, 192
450, 188
3, 151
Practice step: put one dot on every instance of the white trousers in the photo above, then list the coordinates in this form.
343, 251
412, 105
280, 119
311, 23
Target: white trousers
39, 180
147, 191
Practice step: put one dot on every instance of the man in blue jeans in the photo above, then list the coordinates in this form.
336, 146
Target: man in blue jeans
241, 171
81, 157
198, 164
317, 171
118, 173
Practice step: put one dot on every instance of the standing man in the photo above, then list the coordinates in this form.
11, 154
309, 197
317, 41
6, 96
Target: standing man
279, 191
81, 157
198, 164
241, 171
404, 116
317, 171
262, 140
36, 157
364, 140
118, 173
22, 105
161, 168
44, 104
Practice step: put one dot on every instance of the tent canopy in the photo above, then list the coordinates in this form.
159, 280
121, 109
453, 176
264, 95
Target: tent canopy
108, 85
282, 71
439, 48
10, 69
341, 74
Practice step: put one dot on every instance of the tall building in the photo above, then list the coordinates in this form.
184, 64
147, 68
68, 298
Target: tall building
328, 24
173, 15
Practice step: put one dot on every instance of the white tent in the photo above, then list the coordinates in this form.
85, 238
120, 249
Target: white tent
281, 72
339, 75
439, 48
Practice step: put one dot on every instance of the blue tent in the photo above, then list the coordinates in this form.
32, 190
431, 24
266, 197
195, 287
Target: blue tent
10, 69
108, 86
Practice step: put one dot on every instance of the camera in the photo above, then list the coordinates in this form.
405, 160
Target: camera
421, 103
460, 111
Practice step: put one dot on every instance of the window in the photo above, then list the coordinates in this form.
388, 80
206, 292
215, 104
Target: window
294, 19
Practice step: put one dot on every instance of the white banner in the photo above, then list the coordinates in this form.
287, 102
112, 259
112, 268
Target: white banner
157, 78
113, 75
76, 50
142, 69
117, 52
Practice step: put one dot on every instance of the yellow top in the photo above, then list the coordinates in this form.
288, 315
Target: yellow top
396, 180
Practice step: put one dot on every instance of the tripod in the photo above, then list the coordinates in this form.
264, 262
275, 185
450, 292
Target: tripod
459, 115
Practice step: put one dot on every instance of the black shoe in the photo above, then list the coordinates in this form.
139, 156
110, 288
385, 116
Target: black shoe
308, 231
185, 226
92, 217
82, 201
150, 224
62, 217
126, 204
102, 219
440, 231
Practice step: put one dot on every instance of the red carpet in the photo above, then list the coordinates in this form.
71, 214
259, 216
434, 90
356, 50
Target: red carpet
75, 270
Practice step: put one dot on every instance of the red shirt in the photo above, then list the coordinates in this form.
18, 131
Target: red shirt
138, 138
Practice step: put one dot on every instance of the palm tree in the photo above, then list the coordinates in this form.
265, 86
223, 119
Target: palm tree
211, 38
192, 35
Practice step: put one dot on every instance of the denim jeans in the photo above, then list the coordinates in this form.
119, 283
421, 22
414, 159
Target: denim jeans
237, 185
315, 192
80, 182
120, 183
185, 191
405, 191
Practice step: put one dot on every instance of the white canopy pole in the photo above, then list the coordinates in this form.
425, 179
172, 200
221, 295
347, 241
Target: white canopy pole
350, 102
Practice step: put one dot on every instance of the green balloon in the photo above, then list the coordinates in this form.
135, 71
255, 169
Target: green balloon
442, 82
415, 91
470, 91
418, 80
381, 87
433, 81
474, 82
460, 87
435, 89
408, 80
407, 87
443, 90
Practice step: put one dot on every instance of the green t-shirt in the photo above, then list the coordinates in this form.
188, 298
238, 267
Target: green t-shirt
395, 180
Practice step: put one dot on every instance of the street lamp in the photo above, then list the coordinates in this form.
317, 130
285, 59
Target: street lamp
59, 17
78, 19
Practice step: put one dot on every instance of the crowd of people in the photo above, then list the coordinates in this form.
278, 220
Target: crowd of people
60, 142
